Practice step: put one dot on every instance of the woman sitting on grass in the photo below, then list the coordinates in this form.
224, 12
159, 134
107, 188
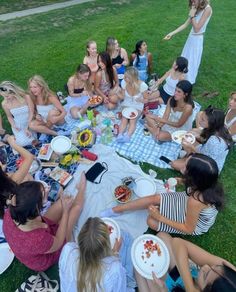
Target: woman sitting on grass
49, 111
106, 81
19, 110
191, 269
79, 89
37, 240
91, 59
93, 265
135, 94
193, 211
178, 114
215, 140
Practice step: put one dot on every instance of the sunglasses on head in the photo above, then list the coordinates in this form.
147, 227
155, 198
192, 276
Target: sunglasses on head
4, 89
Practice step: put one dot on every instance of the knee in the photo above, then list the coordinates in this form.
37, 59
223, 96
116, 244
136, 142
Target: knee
152, 223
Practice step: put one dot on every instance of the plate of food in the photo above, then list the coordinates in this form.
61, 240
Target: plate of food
60, 144
150, 254
7, 256
178, 137
95, 100
114, 230
144, 187
123, 194
190, 138
130, 113
45, 152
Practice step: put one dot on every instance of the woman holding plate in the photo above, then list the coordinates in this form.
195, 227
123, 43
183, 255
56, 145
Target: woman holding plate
191, 269
193, 211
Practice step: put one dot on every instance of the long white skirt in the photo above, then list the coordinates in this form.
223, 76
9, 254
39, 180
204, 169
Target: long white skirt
192, 51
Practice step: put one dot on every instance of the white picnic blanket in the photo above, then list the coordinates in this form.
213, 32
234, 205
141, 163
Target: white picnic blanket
98, 196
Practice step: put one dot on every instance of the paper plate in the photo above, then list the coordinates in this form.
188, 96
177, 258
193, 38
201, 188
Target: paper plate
114, 229
60, 144
144, 187
146, 261
177, 136
35, 166
7, 256
130, 113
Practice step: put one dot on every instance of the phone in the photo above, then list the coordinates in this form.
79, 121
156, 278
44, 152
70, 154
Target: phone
165, 159
95, 171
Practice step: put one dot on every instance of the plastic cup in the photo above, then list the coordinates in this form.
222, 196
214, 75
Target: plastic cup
152, 173
172, 182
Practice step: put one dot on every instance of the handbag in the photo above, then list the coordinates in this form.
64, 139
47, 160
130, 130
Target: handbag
39, 283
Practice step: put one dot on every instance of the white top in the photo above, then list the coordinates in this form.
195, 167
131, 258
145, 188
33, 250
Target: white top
114, 275
170, 85
131, 101
216, 148
197, 18
43, 110
230, 123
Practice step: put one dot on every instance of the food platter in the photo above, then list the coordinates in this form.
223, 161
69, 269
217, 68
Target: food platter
178, 137
114, 230
95, 100
144, 187
123, 194
60, 144
130, 113
150, 254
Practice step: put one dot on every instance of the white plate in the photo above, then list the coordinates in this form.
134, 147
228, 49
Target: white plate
155, 263
178, 136
144, 187
115, 232
60, 144
127, 113
6, 258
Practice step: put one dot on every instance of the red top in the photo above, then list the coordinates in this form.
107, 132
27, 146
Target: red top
30, 247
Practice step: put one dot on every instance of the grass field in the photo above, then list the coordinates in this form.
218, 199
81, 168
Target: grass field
53, 44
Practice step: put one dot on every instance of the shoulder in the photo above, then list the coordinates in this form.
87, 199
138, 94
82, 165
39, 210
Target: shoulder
71, 79
123, 51
85, 61
133, 56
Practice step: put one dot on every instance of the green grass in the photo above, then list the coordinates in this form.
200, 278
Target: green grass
53, 44
13, 5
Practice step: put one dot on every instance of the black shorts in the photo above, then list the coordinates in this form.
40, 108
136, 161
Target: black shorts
165, 96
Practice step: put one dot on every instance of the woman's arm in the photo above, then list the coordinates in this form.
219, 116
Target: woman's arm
192, 214
232, 129
54, 100
177, 30
28, 158
185, 115
116, 80
97, 81
124, 55
198, 25
85, 60
9, 116
31, 108
132, 58
163, 78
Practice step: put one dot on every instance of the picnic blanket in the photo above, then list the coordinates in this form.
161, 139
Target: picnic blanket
101, 196
141, 148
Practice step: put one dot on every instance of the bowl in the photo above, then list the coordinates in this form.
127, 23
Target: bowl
126, 191
61, 144
35, 166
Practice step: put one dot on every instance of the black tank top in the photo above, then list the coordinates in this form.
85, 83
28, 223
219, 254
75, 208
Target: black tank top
117, 60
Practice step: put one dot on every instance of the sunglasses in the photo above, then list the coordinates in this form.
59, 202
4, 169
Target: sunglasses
4, 89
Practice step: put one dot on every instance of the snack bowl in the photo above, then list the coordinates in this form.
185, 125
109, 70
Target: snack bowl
126, 191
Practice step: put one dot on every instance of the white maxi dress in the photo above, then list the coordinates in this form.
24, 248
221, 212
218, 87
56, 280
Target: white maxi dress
193, 48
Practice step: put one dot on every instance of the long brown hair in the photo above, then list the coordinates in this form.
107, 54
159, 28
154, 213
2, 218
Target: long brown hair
202, 4
94, 245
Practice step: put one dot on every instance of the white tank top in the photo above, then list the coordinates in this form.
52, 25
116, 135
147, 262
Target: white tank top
197, 18
170, 85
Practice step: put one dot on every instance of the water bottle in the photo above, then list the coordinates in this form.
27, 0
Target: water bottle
107, 134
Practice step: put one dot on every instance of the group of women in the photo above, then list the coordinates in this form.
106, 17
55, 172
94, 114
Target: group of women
40, 239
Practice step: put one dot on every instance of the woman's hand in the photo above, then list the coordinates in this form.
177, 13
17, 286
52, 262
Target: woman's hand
167, 37
28, 133
192, 11
188, 147
159, 283
117, 245
154, 212
11, 140
67, 202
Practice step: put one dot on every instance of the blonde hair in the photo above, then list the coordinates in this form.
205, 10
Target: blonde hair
46, 92
11, 88
81, 69
94, 245
132, 74
110, 45
202, 4
89, 43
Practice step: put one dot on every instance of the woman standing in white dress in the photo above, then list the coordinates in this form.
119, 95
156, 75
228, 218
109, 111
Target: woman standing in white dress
199, 16
19, 110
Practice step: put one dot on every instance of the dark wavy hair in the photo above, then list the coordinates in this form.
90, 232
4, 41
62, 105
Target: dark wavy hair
202, 4
201, 178
182, 64
137, 50
29, 201
186, 87
7, 188
216, 126
106, 59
